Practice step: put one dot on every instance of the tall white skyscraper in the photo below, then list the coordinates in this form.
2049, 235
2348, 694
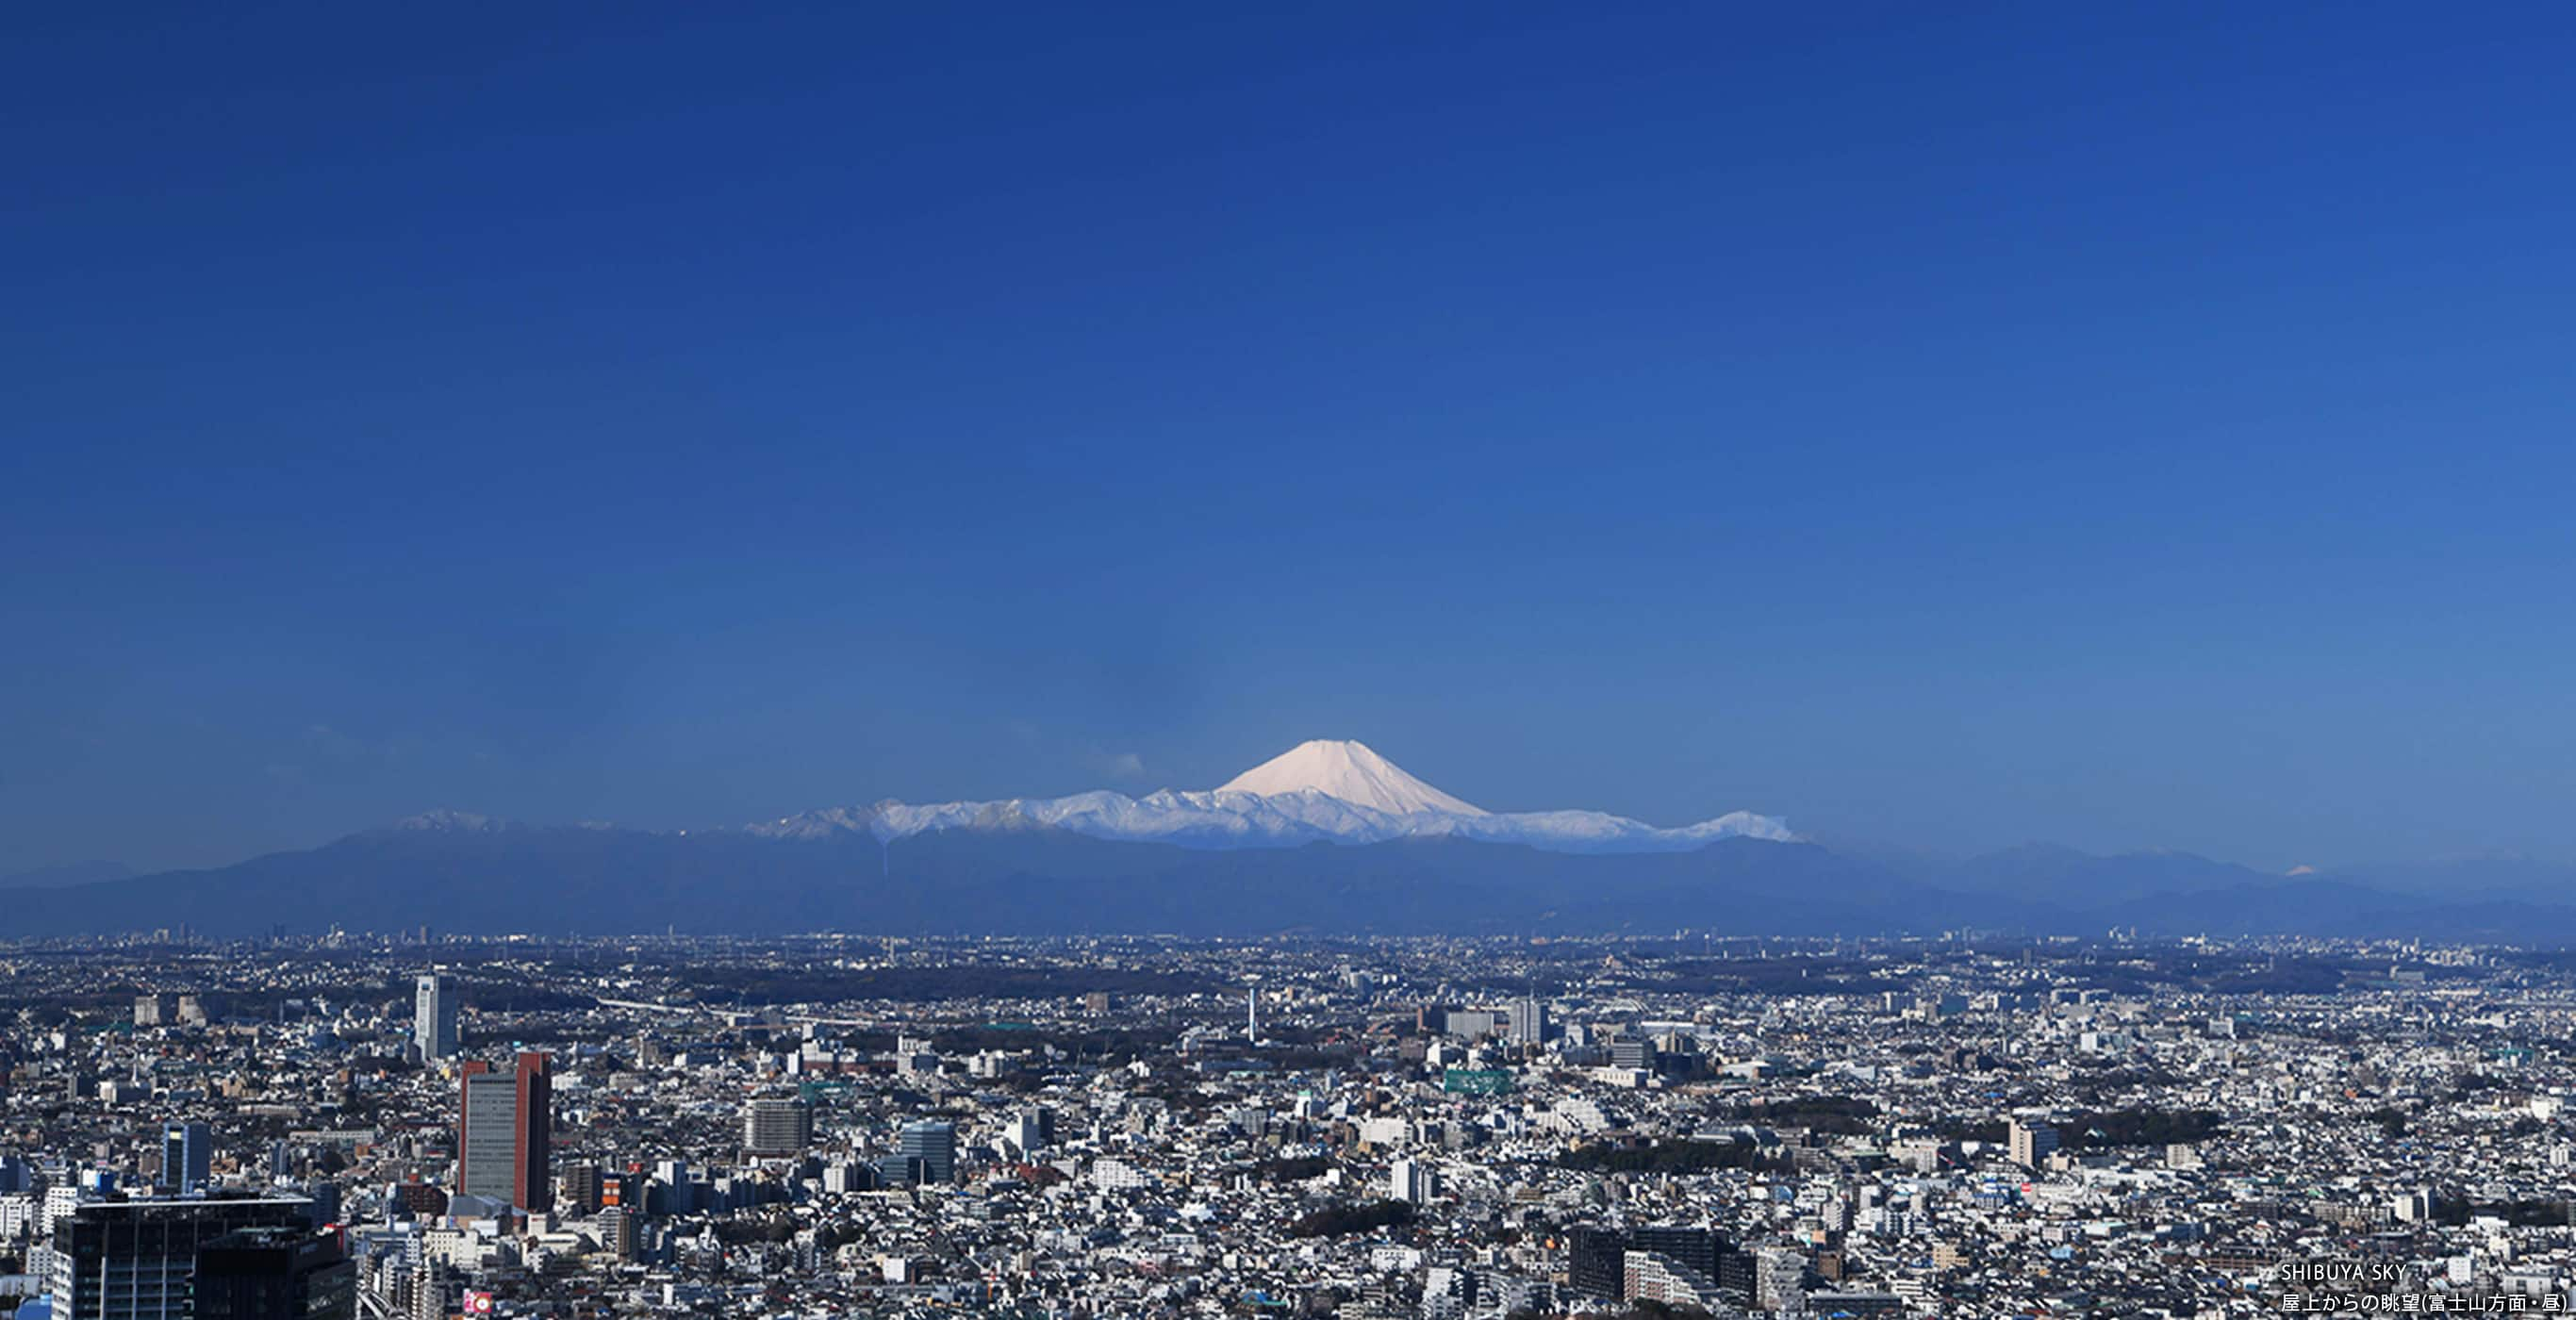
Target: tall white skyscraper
434, 1015
1412, 1180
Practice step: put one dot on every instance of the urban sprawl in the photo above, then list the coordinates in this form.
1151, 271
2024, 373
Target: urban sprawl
422, 1125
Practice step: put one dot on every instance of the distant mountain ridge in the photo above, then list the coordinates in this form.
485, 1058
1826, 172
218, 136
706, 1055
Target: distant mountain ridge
65, 873
1275, 850
2052, 873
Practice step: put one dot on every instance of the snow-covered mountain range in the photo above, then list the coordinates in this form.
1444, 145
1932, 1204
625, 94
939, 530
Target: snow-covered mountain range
1322, 791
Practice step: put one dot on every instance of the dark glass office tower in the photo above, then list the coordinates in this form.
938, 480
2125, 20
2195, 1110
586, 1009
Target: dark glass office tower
275, 1274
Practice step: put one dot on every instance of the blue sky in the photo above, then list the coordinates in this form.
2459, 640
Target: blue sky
2129, 427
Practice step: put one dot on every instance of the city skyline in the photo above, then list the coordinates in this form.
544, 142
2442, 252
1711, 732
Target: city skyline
1440, 1128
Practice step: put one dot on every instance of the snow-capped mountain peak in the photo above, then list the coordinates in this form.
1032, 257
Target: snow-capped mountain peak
1349, 771
446, 821
1318, 792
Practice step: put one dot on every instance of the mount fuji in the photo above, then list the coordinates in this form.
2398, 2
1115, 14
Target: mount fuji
1350, 771
1323, 791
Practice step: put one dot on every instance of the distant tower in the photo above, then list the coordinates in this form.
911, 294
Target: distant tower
1252, 1014
434, 1016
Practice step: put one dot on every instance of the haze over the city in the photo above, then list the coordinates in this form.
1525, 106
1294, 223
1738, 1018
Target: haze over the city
1935, 431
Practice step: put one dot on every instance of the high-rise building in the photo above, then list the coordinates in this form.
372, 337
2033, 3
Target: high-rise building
1528, 1021
187, 1157
418, 1199
934, 1143
159, 1010
2031, 1142
619, 1231
1447, 1293
1597, 1258
1697, 1248
434, 1015
1413, 1181
505, 1133
265, 1273
577, 1191
1779, 1278
1032, 1130
130, 1260
435, 1291
325, 1196
1652, 1276
1735, 1276
1596, 1261
777, 1127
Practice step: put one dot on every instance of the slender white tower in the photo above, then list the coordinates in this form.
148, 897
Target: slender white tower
1252, 1013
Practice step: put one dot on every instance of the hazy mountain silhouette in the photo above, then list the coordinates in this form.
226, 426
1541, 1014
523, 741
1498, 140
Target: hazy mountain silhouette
467, 874
65, 873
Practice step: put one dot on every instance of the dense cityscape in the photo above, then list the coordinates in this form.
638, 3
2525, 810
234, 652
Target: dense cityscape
419, 1125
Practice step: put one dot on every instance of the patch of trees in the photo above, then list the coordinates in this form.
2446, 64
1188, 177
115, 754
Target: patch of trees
513, 997
1820, 1113
2101, 1085
753, 986
2288, 976
1673, 1157
746, 1231
2099, 1129
1339, 1220
1990, 1130
2469, 1084
1117, 1043
2455, 1212
1777, 976
2136, 1127
1308, 1060
1292, 1169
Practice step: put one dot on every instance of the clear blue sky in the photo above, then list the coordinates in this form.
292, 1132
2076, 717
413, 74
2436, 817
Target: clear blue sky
1942, 426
